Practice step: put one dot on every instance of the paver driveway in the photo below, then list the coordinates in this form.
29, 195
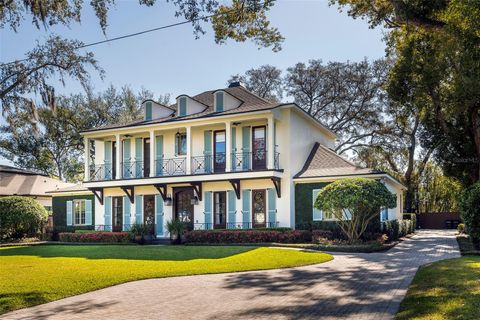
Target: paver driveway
352, 286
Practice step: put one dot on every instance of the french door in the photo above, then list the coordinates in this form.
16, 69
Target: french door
117, 214
219, 149
146, 157
220, 210
259, 209
149, 212
259, 152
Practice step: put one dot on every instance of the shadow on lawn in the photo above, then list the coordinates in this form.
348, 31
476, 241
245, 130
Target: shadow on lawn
171, 253
358, 285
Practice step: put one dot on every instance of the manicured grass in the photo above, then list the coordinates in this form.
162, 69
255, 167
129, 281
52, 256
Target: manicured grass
449, 289
31, 275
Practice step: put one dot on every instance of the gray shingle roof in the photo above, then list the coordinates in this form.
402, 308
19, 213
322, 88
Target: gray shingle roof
323, 162
250, 103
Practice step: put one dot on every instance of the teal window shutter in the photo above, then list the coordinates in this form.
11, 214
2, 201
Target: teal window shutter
347, 214
207, 150
159, 214
138, 157
317, 214
69, 213
88, 212
207, 197
246, 148
182, 108
148, 110
246, 207
127, 164
232, 209
138, 209
107, 215
107, 174
272, 207
159, 155
384, 214
219, 101
126, 213
234, 149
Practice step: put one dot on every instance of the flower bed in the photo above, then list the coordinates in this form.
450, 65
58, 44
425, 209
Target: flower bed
93, 237
248, 236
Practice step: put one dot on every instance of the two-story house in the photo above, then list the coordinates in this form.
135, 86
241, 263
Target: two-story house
222, 159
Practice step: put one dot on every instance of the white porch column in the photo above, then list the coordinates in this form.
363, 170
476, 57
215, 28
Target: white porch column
86, 143
228, 145
152, 153
271, 143
118, 155
189, 150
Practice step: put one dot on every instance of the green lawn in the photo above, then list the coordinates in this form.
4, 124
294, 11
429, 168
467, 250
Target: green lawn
31, 275
449, 289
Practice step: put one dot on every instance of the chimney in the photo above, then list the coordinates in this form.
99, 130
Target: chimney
236, 84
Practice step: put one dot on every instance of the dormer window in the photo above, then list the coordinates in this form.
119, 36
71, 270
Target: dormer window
182, 106
219, 103
148, 110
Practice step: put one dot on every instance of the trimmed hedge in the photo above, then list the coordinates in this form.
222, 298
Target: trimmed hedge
396, 229
93, 237
248, 236
371, 233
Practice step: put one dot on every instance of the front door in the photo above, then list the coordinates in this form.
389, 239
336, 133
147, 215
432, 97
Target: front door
220, 209
183, 206
146, 157
219, 149
117, 214
149, 212
259, 154
259, 209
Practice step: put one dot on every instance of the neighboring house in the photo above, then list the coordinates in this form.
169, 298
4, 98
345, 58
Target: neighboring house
220, 159
20, 182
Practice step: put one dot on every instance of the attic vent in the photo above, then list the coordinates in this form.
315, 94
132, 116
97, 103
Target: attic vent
235, 84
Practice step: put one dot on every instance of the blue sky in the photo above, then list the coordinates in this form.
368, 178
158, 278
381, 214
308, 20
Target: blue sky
173, 61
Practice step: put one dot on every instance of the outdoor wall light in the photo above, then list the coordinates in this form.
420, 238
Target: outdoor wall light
168, 201
194, 201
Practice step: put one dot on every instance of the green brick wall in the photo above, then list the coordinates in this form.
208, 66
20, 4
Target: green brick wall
59, 208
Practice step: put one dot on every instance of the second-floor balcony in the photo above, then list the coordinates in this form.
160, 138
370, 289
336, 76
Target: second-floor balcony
177, 166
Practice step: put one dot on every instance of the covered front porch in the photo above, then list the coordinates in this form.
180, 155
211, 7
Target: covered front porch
202, 205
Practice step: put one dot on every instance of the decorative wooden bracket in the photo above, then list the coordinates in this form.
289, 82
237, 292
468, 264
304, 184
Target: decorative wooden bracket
197, 187
236, 187
162, 188
130, 192
98, 192
278, 186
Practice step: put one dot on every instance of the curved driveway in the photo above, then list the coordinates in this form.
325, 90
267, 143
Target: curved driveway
352, 286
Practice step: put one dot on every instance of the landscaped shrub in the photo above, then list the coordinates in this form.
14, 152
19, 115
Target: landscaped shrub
413, 218
20, 217
372, 231
470, 211
93, 237
461, 228
248, 236
354, 203
396, 229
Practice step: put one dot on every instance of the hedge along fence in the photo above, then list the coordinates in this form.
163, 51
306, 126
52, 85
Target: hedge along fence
248, 236
95, 237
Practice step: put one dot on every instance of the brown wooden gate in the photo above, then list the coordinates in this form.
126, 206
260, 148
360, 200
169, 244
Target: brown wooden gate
438, 220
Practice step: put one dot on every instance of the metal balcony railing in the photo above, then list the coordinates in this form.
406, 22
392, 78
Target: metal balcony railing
101, 172
133, 169
170, 167
235, 226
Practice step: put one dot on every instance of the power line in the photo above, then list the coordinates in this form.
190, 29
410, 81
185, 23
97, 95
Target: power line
135, 34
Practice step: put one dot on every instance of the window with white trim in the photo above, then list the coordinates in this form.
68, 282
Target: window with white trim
317, 215
78, 212
384, 214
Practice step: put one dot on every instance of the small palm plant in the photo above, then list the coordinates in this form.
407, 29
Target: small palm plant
176, 228
139, 231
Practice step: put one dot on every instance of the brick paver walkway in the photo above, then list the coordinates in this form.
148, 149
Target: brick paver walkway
352, 286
